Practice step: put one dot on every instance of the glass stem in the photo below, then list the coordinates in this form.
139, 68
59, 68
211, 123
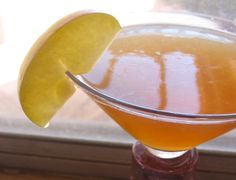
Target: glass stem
150, 164
165, 154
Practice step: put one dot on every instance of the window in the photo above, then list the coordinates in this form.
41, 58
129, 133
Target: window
79, 142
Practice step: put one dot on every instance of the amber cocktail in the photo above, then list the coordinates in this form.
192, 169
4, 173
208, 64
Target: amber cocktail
171, 86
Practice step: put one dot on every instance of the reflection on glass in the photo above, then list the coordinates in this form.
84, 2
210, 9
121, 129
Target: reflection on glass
171, 68
181, 75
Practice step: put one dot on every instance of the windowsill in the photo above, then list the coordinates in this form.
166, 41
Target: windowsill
89, 149
88, 145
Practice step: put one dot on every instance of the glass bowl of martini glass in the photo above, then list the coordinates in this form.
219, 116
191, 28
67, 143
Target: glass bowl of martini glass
169, 80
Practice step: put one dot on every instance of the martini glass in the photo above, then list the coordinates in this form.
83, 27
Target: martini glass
166, 138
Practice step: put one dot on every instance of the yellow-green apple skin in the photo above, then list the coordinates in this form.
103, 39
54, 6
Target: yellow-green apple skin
75, 44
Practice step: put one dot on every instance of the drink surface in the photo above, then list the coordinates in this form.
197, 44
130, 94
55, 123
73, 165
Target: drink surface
172, 68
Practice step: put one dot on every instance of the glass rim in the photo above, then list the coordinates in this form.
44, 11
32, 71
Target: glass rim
170, 15
204, 118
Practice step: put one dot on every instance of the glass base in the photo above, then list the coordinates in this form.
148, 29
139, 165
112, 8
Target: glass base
150, 164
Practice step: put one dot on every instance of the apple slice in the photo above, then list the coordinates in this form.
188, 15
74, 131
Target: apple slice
73, 44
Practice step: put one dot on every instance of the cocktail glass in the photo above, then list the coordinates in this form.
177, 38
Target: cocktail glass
157, 129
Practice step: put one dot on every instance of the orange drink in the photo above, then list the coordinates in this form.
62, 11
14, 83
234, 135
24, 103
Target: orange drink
169, 68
